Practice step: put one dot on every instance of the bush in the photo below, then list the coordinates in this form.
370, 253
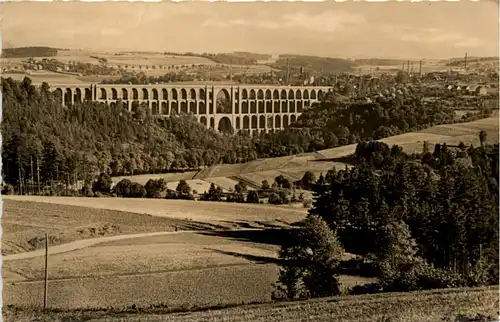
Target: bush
8, 189
423, 277
102, 184
253, 197
307, 203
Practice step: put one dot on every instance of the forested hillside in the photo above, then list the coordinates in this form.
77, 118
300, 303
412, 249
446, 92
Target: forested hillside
21, 52
68, 143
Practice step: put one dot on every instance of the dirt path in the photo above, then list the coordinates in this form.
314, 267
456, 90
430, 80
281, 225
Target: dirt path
79, 244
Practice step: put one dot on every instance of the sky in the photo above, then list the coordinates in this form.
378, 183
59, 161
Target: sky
333, 29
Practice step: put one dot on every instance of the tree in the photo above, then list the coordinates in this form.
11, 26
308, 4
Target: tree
264, 185
214, 193
307, 180
183, 188
253, 197
309, 262
102, 184
122, 188
154, 188
240, 187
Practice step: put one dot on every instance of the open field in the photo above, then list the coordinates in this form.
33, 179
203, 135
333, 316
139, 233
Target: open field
428, 306
200, 211
24, 224
452, 134
208, 267
182, 269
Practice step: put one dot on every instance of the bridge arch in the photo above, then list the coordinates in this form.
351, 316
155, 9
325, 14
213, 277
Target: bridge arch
184, 107
246, 122
114, 94
124, 94
103, 94
78, 95
284, 107
260, 94
261, 106
270, 122
252, 94
244, 107
298, 94
135, 94
212, 123
299, 106
174, 94
306, 94
277, 121
320, 94
293, 119
253, 108
313, 94
175, 108
223, 103
268, 94
269, 107
154, 108
244, 94
254, 121
283, 94
262, 122
225, 125
145, 94
164, 108
276, 107
192, 107
285, 121
290, 94
238, 125
202, 108
192, 94
203, 120
276, 94
88, 94
202, 94
292, 107
155, 94
164, 94
183, 94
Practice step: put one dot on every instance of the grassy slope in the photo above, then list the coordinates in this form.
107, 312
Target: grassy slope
294, 167
437, 305
25, 219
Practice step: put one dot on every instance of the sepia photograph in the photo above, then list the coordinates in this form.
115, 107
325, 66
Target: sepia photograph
250, 161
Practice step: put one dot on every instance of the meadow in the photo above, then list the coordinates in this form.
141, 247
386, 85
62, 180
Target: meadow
225, 253
457, 305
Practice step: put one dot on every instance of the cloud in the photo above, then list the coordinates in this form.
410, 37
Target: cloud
331, 21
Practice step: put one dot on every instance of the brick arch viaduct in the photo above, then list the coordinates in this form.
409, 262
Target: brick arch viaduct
255, 108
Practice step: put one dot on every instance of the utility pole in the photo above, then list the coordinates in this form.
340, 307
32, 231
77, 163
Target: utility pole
45, 289
465, 62
32, 177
